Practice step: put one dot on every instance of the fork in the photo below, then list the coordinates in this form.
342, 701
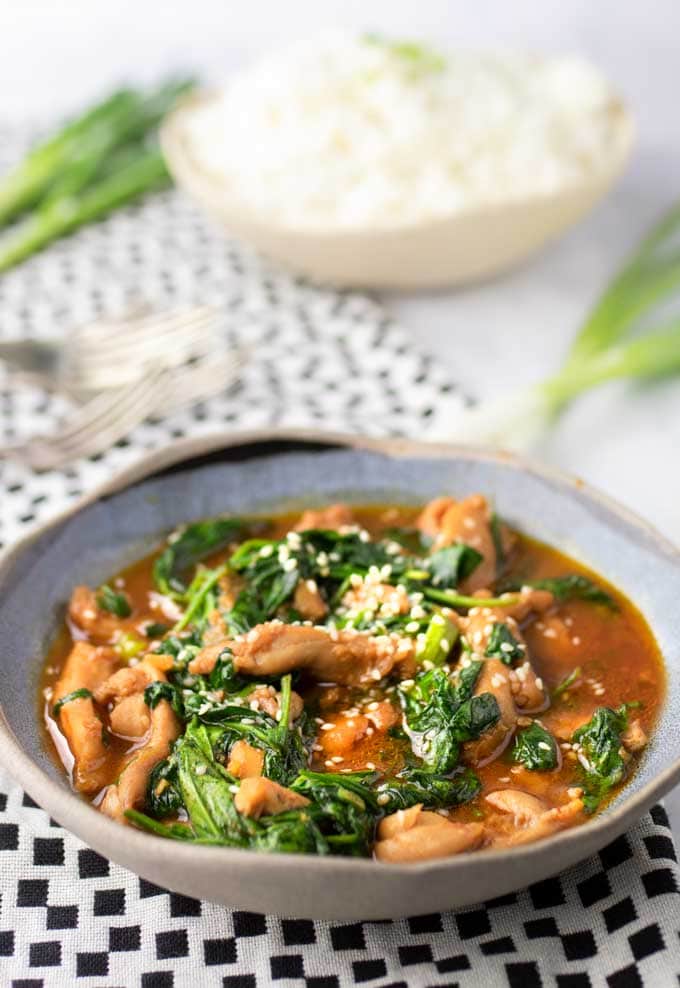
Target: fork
108, 353
98, 424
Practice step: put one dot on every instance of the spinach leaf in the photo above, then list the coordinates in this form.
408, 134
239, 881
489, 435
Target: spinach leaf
504, 646
113, 602
599, 746
439, 717
207, 795
285, 747
80, 694
163, 797
343, 807
536, 749
449, 566
160, 690
434, 791
189, 547
574, 586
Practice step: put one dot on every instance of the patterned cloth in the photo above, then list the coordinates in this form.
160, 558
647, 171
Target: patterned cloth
319, 358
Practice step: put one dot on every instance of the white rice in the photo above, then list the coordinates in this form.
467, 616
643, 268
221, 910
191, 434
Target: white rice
342, 132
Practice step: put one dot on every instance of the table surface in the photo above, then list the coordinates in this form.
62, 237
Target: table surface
623, 439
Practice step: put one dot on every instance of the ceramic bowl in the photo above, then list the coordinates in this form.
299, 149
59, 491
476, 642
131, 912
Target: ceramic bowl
469, 245
197, 478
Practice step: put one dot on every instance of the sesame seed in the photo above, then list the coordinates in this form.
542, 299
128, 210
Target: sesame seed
337, 759
327, 726
382, 799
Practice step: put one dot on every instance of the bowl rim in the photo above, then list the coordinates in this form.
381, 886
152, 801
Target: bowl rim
181, 158
68, 808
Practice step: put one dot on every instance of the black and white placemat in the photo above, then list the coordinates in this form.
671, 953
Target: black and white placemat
319, 358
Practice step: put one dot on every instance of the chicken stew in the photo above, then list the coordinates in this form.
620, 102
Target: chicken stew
388, 681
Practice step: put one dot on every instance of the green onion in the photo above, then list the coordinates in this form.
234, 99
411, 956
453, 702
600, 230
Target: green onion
439, 639
605, 348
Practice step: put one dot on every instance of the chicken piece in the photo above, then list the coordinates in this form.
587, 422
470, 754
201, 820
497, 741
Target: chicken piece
333, 517
130, 718
524, 807
383, 599
634, 738
346, 657
125, 682
563, 721
345, 733
397, 822
217, 628
269, 700
100, 625
528, 818
130, 790
85, 668
231, 585
262, 797
494, 678
383, 714
308, 601
467, 521
528, 689
245, 761
477, 626
418, 835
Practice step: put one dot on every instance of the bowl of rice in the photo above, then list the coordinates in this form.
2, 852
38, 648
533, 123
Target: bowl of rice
370, 163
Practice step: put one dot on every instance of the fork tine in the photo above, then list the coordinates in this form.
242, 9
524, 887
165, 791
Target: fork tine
185, 338
125, 403
159, 324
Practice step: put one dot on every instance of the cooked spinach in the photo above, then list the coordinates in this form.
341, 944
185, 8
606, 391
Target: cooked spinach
79, 694
599, 745
449, 566
161, 690
163, 797
503, 645
113, 602
434, 791
190, 546
440, 714
536, 749
574, 586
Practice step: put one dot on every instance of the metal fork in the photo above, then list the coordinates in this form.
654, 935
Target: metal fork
103, 420
108, 353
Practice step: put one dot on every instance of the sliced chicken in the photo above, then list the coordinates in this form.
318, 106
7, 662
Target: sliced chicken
468, 521
525, 818
124, 682
130, 790
494, 678
341, 733
262, 797
245, 761
418, 835
328, 655
333, 517
634, 738
85, 668
383, 599
308, 601
269, 700
528, 689
100, 625
130, 718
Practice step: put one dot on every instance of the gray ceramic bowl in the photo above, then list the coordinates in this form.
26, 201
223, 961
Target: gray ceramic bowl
196, 478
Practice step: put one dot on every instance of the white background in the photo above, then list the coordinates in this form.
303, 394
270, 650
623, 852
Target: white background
625, 439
